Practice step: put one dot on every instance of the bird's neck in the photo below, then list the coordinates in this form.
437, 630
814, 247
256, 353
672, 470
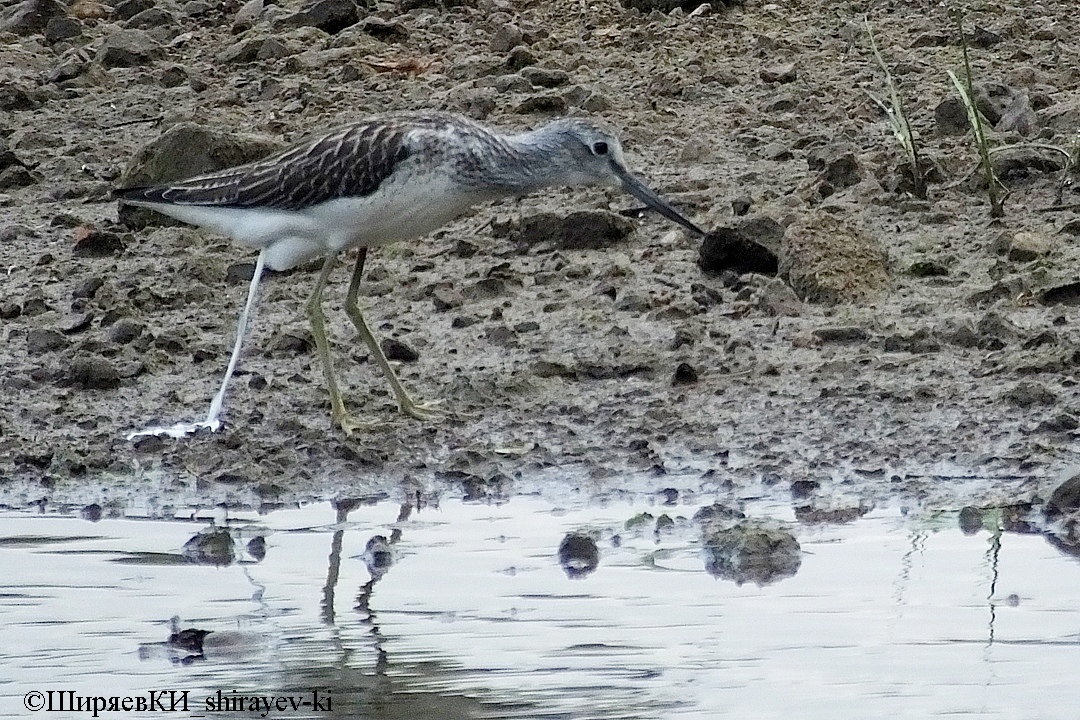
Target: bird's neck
529, 161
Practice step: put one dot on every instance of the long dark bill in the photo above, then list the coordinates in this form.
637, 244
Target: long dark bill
643, 193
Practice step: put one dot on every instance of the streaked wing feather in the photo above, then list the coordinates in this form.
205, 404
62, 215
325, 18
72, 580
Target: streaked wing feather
351, 162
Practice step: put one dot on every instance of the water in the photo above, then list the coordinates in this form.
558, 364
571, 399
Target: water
888, 615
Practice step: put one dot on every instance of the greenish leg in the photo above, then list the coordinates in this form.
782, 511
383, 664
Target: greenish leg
421, 411
318, 329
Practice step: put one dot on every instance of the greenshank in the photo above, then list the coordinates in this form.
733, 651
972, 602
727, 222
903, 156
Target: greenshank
379, 180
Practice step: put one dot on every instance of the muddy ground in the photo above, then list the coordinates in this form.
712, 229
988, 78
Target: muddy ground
941, 372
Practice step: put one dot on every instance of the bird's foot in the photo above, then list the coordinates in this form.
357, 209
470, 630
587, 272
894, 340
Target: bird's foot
177, 431
350, 423
430, 410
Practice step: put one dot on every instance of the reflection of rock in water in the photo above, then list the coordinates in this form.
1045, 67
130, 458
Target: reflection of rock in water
1063, 512
378, 556
578, 555
213, 546
751, 552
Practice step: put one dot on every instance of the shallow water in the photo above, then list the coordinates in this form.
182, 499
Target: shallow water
888, 615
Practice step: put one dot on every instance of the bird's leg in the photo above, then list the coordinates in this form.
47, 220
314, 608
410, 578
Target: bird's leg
212, 421
318, 330
421, 411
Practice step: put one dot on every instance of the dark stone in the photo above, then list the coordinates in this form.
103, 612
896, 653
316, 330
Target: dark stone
802, 489
331, 16
14, 97
842, 335
970, 520
1065, 498
1027, 394
927, 268
30, 16
87, 288
520, 57
983, 39
40, 341
16, 177
950, 117
751, 553
94, 374
385, 30
62, 28
210, 547
128, 48
124, 331
151, 18
91, 242
127, 9
750, 246
836, 164
239, 273
589, 229
543, 77
741, 205
578, 555
395, 349
541, 104
685, 374
1067, 294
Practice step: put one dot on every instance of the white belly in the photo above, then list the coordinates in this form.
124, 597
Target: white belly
401, 209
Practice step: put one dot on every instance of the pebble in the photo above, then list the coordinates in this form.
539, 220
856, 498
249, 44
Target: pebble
42, 340
395, 349
128, 48
94, 374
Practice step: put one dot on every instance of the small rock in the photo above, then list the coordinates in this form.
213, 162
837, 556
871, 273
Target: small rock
1061, 423
507, 36
950, 117
395, 349
127, 9
520, 57
828, 260
128, 48
91, 242
541, 104
917, 343
584, 229
14, 96
30, 16
62, 28
246, 17
385, 30
151, 18
1027, 394
87, 288
124, 331
685, 374
779, 300
784, 73
578, 555
544, 77
983, 39
958, 331
94, 374
750, 246
842, 335
16, 177
1027, 246
837, 165
40, 341
1065, 499
330, 16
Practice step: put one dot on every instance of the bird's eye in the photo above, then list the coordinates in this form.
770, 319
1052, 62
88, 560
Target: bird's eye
599, 148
